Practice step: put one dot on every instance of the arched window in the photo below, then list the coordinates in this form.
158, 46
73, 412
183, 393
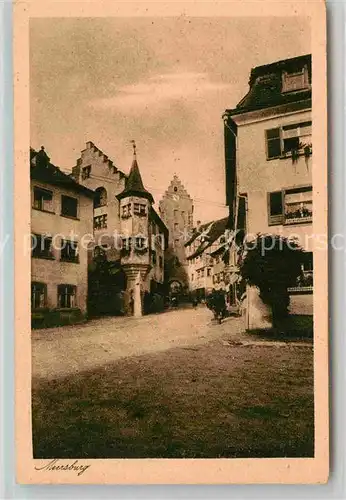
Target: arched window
100, 199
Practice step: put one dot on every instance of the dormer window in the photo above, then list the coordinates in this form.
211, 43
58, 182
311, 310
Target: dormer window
295, 80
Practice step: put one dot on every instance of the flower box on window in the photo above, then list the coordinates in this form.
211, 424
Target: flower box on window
290, 206
141, 251
291, 140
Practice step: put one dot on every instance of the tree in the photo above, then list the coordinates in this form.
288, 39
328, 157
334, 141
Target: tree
272, 263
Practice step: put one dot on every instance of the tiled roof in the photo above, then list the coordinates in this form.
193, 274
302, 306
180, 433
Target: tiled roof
266, 86
155, 216
208, 233
134, 184
41, 169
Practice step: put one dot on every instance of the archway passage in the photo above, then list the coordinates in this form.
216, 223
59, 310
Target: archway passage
175, 287
106, 288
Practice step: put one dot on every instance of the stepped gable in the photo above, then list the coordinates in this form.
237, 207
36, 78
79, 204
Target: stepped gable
176, 182
105, 158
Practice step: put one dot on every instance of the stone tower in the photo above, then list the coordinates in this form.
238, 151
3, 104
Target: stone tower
176, 210
135, 203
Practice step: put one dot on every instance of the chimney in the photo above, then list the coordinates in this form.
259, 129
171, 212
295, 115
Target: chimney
42, 159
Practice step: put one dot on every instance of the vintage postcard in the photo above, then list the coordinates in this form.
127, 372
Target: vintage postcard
171, 242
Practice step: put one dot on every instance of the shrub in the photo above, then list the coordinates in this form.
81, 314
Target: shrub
272, 263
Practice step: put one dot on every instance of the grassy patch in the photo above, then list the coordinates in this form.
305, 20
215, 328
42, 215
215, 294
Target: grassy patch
216, 401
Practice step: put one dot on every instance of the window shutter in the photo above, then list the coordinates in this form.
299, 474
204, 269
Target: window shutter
275, 208
273, 143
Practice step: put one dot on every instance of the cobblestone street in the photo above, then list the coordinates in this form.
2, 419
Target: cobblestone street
170, 385
63, 351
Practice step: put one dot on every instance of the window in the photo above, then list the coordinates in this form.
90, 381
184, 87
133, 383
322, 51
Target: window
308, 262
69, 251
290, 206
176, 242
100, 197
175, 189
208, 272
282, 141
141, 243
192, 276
126, 244
298, 205
67, 296
175, 214
69, 206
100, 221
293, 81
273, 143
139, 209
176, 226
161, 262
296, 136
38, 295
153, 257
86, 171
305, 281
126, 211
43, 199
41, 246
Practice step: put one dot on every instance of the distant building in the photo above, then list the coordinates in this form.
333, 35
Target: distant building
126, 224
61, 215
268, 148
176, 210
206, 269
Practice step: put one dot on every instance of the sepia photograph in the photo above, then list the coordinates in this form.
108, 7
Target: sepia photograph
172, 244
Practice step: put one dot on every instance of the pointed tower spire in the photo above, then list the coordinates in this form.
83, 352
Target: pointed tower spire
134, 185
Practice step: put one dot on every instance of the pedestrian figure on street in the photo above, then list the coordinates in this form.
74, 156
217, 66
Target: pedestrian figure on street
216, 303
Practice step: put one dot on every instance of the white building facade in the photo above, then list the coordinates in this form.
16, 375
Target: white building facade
61, 230
268, 144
